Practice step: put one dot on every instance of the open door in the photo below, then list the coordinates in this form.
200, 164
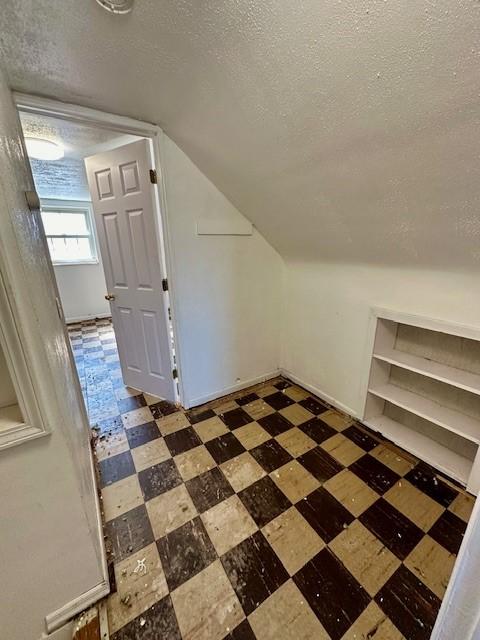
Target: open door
123, 201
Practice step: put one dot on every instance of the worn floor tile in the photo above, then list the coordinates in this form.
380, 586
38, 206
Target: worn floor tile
332, 592
258, 409
462, 506
129, 532
116, 468
142, 433
170, 510
324, 513
147, 455
206, 606
109, 446
270, 455
448, 531
360, 438
131, 402
352, 492
342, 449
121, 496
242, 471
182, 440
392, 457
208, 489
159, 478
295, 442
373, 624
397, 532
242, 632
432, 563
137, 417
228, 523
337, 420
264, 500
313, 405
286, 615
294, 480
254, 571
172, 423
367, 559
427, 481
158, 621
210, 428
317, 430
251, 435
379, 477
140, 584
296, 414
296, 393
409, 604
275, 424
320, 464
224, 447
284, 533
194, 462
418, 507
185, 552
200, 414
236, 418
278, 400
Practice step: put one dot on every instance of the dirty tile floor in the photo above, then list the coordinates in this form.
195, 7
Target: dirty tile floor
265, 515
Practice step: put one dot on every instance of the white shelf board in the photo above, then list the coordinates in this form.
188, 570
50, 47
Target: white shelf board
442, 372
440, 457
463, 425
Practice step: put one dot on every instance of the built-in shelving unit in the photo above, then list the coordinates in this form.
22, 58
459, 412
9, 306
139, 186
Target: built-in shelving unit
424, 391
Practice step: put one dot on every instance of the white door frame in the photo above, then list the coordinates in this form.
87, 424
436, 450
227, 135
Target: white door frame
92, 117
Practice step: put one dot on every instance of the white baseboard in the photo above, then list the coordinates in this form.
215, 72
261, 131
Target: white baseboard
232, 389
57, 618
321, 394
88, 317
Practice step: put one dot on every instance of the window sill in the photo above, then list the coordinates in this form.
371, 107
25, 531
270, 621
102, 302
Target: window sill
75, 264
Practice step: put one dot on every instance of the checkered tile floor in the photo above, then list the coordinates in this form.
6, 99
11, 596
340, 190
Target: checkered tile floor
262, 516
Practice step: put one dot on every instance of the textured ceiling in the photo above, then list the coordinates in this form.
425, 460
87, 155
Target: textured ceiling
344, 129
66, 178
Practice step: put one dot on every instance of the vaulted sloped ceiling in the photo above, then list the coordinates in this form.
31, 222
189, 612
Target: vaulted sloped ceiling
346, 130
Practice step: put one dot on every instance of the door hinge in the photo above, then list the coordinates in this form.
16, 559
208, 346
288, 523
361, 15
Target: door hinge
174, 374
165, 284
153, 176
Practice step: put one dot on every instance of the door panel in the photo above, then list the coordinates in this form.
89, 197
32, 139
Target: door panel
124, 208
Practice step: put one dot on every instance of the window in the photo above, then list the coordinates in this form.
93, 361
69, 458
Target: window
69, 229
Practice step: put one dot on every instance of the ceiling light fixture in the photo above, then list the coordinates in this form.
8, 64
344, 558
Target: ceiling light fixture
116, 6
44, 149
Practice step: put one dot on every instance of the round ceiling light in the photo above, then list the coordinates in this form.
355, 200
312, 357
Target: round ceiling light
116, 6
43, 149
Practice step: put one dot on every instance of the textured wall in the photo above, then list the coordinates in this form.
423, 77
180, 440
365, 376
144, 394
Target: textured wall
345, 130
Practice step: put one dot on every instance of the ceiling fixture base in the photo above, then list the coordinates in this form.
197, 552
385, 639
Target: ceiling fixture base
116, 6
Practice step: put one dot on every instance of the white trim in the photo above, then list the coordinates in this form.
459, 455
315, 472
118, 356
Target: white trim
59, 617
33, 425
95, 118
75, 319
321, 394
195, 402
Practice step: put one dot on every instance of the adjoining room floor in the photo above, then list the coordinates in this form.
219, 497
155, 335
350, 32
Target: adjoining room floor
266, 516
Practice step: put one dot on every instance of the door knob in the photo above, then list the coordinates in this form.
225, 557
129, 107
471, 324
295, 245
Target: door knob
110, 296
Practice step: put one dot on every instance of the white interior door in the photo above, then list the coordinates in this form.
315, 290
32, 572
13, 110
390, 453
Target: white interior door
123, 201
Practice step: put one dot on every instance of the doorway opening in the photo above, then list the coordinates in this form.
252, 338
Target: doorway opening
101, 214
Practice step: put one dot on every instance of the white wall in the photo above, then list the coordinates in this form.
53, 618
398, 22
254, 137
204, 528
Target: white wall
82, 289
227, 289
50, 542
327, 314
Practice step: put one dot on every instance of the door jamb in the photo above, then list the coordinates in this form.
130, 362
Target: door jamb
92, 117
